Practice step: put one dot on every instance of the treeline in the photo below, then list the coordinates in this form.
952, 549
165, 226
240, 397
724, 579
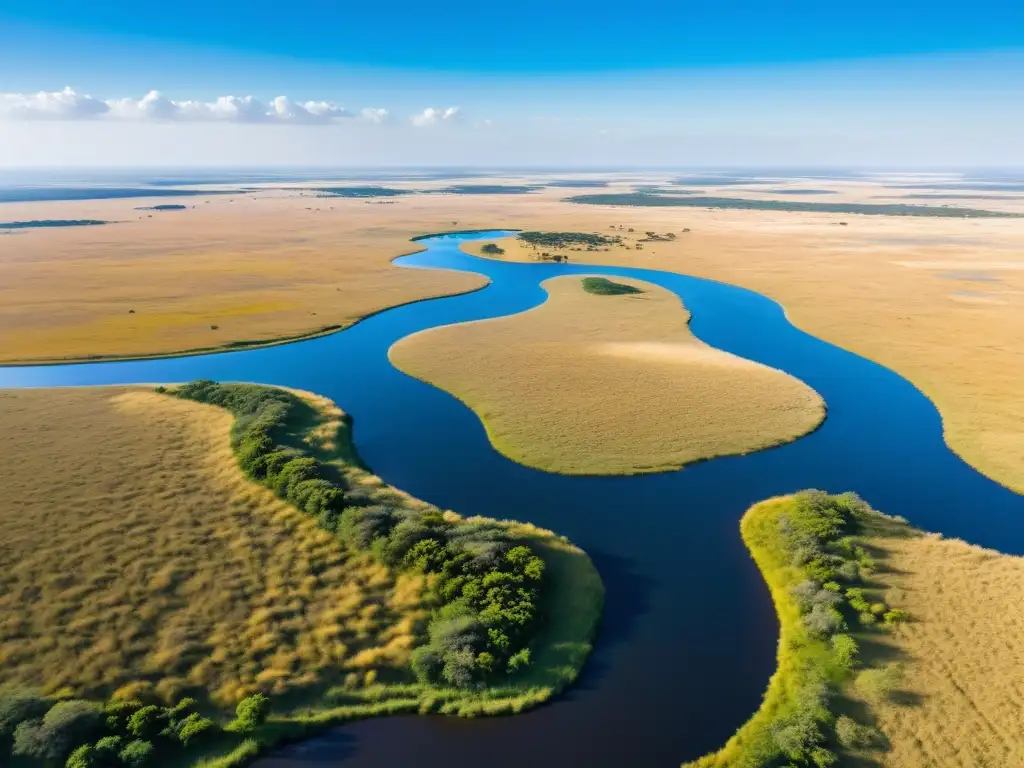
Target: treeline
567, 239
808, 548
123, 733
485, 587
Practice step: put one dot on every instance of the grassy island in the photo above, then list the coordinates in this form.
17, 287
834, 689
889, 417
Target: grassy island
386, 605
608, 384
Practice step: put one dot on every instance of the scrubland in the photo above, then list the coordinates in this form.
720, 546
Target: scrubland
608, 383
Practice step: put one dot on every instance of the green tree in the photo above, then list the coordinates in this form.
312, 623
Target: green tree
252, 711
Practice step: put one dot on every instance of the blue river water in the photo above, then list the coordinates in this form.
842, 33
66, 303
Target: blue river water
689, 634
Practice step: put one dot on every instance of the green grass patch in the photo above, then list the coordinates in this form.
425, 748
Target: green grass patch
809, 553
602, 286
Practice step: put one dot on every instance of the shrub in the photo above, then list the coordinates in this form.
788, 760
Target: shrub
519, 661
823, 621
845, 649
136, 754
83, 757
146, 722
194, 726
895, 616
16, 706
853, 735
823, 758
119, 711
108, 750
876, 685
65, 725
252, 711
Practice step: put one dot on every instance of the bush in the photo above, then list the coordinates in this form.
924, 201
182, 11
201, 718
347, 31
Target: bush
876, 685
65, 725
895, 616
845, 649
193, 727
136, 754
146, 722
252, 712
16, 706
83, 757
853, 735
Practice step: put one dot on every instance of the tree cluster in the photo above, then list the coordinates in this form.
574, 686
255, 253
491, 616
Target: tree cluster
486, 587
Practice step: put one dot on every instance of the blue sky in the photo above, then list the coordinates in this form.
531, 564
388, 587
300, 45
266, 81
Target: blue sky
690, 82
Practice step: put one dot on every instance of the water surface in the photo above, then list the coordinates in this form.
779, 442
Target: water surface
689, 634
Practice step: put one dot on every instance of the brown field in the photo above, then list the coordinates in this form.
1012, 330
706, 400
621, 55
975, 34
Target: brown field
591, 384
136, 556
939, 300
960, 700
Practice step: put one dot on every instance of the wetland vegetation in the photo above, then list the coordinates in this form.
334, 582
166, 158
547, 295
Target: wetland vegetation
642, 199
810, 550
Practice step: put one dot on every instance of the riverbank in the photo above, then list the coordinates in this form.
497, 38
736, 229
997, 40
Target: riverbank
609, 381
935, 300
896, 647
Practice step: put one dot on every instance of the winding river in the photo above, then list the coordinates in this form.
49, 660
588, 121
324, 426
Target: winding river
688, 640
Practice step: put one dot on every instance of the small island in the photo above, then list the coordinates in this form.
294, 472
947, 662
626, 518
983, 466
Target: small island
47, 223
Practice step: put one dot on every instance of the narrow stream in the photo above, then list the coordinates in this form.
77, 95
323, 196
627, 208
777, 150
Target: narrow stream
688, 640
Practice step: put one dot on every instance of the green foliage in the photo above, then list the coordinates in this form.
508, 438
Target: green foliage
877, 685
603, 287
194, 727
567, 239
136, 754
16, 706
492, 249
845, 649
853, 735
895, 616
146, 722
486, 589
66, 725
252, 712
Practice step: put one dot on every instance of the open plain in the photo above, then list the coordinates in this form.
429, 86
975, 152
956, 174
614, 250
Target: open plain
939, 300
609, 384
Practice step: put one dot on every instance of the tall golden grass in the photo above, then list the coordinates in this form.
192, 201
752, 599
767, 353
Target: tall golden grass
137, 558
590, 384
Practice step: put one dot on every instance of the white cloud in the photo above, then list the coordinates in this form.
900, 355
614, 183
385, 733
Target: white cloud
154, 106
374, 115
431, 116
56, 105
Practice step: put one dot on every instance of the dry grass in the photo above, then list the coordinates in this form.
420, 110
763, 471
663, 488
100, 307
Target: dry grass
137, 556
964, 663
589, 384
941, 301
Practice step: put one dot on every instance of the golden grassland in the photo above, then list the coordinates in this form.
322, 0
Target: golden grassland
136, 557
963, 685
593, 384
139, 561
939, 300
